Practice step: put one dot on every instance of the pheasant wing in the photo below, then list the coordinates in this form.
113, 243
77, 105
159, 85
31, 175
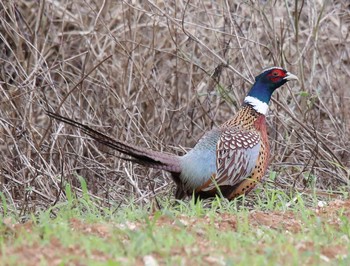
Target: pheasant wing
236, 155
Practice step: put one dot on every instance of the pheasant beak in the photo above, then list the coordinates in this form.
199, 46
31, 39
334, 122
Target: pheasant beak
290, 76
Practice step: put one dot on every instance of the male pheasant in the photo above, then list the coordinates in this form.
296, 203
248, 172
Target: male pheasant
231, 158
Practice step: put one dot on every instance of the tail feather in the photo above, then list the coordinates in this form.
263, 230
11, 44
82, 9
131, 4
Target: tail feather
147, 157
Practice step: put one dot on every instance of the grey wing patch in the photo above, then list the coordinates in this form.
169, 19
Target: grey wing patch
236, 155
199, 164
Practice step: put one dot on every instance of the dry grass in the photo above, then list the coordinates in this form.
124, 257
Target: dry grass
159, 74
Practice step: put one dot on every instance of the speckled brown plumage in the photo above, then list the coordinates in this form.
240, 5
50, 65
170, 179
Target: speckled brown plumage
261, 166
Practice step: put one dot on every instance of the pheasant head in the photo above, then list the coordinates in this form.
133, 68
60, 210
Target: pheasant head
265, 84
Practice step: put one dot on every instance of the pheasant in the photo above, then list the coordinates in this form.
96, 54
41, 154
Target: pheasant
228, 161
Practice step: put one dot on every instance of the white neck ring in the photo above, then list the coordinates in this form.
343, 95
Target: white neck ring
259, 106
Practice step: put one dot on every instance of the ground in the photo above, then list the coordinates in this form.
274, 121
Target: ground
286, 237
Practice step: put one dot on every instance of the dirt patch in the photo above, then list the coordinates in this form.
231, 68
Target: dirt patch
228, 222
101, 230
12, 227
334, 208
274, 220
53, 252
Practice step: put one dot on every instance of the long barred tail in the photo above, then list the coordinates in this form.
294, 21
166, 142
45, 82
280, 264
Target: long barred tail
154, 159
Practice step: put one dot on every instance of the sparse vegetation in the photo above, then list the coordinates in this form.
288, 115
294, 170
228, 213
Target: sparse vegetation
185, 234
159, 74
